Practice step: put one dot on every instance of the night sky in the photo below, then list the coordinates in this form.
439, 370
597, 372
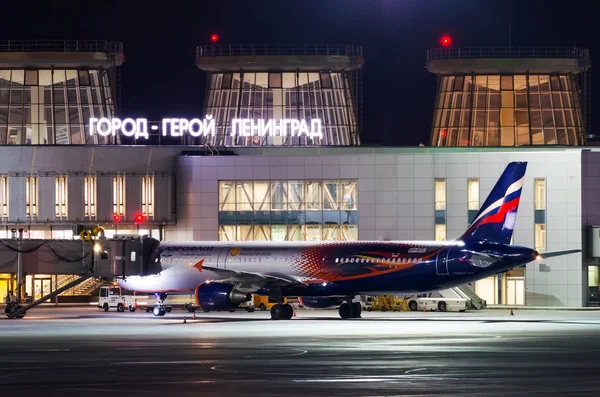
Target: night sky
160, 79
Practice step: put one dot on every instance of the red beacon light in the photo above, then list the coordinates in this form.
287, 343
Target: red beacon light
443, 133
116, 217
139, 218
446, 41
214, 37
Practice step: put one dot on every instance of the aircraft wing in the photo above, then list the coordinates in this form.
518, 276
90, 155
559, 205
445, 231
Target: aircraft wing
252, 281
546, 255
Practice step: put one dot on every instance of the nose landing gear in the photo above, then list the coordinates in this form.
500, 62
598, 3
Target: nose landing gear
160, 309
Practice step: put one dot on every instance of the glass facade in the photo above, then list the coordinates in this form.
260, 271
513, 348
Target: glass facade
288, 210
282, 95
498, 110
53, 106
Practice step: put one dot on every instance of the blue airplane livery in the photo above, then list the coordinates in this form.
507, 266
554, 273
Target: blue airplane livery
223, 275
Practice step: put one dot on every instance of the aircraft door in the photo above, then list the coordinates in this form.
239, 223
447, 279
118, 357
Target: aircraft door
441, 262
222, 257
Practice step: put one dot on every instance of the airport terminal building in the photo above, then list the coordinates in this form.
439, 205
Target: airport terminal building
276, 155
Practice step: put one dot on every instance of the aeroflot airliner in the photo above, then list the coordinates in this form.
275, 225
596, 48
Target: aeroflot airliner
223, 275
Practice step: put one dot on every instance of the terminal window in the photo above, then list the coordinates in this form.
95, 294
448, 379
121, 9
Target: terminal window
60, 192
539, 215
440, 209
148, 196
89, 196
119, 195
4, 198
44, 107
472, 198
497, 110
288, 210
31, 196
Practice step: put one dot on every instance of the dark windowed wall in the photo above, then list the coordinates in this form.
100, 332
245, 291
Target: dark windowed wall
290, 95
47, 107
488, 110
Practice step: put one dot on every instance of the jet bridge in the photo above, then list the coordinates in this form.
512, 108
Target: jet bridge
118, 257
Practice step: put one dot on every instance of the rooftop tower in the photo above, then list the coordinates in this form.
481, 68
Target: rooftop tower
275, 82
512, 96
49, 90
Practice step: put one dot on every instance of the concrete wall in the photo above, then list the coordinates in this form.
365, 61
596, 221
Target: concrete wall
590, 208
396, 200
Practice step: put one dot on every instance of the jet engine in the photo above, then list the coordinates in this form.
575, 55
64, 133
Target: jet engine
219, 296
314, 302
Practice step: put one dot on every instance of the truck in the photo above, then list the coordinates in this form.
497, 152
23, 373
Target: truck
111, 297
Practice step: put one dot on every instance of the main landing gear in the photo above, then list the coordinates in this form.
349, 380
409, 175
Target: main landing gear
160, 309
350, 309
282, 312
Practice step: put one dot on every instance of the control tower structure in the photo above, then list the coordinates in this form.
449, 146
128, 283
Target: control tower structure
49, 89
514, 96
283, 82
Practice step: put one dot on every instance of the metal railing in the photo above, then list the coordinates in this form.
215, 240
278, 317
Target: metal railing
508, 52
61, 46
278, 49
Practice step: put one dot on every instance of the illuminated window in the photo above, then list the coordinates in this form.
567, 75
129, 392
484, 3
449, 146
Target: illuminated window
119, 195
53, 106
148, 196
539, 202
472, 198
514, 110
440, 209
60, 194
89, 196
540, 194
440, 232
275, 95
288, 210
4, 198
31, 195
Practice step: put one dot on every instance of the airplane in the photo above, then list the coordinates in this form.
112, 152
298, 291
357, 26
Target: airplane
223, 275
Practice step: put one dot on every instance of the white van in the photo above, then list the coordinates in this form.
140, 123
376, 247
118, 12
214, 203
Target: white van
439, 304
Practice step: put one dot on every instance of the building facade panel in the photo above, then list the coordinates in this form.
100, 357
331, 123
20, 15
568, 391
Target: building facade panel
75, 193
16, 206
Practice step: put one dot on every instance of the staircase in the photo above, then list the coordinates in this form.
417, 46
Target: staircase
464, 292
15, 310
84, 288
87, 287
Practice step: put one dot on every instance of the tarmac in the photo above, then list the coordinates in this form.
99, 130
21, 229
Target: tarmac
79, 351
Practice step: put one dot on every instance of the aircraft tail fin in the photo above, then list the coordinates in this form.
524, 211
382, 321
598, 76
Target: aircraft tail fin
495, 220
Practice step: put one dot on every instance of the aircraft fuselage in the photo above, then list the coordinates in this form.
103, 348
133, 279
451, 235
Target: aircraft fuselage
330, 268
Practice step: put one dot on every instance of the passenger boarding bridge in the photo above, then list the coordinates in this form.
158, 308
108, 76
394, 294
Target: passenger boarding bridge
120, 256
